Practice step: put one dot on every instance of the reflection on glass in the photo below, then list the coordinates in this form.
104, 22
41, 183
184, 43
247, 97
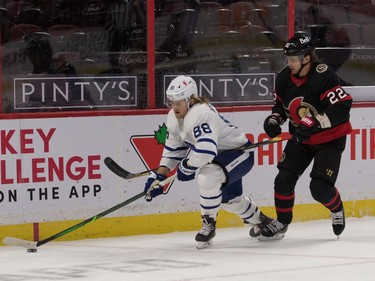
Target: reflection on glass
78, 42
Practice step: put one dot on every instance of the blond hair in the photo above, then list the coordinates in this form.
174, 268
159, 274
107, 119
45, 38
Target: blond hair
195, 100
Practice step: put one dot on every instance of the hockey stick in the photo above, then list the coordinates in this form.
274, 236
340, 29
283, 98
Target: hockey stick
13, 241
255, 145
122, 173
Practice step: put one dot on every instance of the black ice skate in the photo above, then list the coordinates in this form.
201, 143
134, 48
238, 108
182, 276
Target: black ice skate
273, 231
256, 229
207, 232
338, 222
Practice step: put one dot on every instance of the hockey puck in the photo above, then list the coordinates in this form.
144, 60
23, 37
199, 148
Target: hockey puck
32, 250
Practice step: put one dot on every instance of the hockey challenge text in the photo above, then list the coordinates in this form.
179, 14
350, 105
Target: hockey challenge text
25, 170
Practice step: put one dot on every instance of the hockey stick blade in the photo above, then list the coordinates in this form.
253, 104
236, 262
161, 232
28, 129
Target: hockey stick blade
255, 145
121, 172
13, 241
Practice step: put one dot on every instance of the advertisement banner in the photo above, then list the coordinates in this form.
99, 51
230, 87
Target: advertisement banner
40, 92
53, 169
223, 89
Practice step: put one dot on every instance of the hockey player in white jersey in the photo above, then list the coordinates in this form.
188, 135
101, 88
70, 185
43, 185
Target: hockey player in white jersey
194, 124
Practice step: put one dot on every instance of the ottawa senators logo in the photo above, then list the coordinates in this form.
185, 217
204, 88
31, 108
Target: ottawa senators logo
298, 109
320, 68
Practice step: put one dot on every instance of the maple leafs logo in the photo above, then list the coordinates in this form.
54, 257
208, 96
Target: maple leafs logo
161, 134
150, 149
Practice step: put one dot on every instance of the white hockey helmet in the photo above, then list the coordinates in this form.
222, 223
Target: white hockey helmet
181, 88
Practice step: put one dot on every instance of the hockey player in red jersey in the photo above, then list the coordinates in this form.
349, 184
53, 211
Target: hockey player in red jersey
308, 93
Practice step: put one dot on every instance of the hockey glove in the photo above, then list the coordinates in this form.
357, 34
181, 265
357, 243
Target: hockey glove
308, 125
185, 172
152, 189
271, 125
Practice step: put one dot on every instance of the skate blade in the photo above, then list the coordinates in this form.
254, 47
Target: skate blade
254, 232
272, 238
204, 245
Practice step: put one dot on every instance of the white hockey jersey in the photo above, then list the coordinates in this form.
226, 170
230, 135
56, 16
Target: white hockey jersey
204, 131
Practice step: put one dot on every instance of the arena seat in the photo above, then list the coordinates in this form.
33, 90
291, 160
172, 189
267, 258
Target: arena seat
220, 17
259, 16
18, 31
62, 29
31, 15
204, 8
14, 7
251, 29
281, 31
240, 12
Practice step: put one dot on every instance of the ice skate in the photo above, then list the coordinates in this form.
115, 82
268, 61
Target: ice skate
207, 233
338, 222
257, 228
273, 231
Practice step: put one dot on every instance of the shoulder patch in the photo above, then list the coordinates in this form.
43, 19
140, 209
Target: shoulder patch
320, 68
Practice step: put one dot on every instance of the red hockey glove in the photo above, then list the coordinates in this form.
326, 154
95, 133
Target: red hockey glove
308, 125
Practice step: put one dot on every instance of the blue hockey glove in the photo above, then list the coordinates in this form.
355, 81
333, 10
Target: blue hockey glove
271, 125
185, 172
152, 189
308, 125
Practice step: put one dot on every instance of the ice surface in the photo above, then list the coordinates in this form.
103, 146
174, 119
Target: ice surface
309, 251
